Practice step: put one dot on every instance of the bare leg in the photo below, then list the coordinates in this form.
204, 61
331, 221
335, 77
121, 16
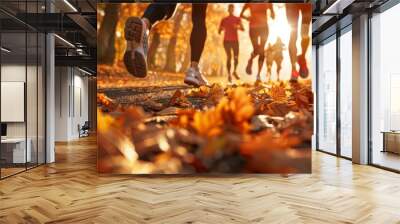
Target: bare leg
254, 43
228, 52
305, 29
278, 68
305, 40
261, 57
269, 72
292, 13
235, 49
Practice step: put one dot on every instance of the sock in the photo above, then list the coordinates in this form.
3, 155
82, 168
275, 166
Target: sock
195, 65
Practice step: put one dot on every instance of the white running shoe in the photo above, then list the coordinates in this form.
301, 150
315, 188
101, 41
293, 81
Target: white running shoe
135, 57
195, 78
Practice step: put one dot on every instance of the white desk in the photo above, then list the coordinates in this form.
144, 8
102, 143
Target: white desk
18, 150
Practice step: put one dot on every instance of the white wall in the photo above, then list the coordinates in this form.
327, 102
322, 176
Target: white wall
360, 89
50, 95
71, 94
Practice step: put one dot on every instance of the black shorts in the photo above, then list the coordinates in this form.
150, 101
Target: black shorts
232, 46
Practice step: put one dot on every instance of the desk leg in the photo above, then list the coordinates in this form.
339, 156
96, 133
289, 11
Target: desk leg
384, 142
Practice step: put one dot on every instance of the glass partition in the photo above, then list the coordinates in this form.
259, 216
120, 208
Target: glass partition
41, 109
327, 96
346, 93
385, 89
13, 103
31, 98
22, 88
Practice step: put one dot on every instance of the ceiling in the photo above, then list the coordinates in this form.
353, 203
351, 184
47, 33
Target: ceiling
74, 22
331, 15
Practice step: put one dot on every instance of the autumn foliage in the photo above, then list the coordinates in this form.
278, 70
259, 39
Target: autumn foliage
211, 129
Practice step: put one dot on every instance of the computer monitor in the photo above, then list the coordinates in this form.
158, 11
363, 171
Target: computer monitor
3, 129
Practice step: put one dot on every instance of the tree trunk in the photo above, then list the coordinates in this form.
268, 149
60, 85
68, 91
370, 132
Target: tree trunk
106, 35
170, 64
155, 43
186, 60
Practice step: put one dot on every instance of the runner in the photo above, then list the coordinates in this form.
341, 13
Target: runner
293, 15
269, 60
278, 49
136, 35
258, 22
230, 25
274, 53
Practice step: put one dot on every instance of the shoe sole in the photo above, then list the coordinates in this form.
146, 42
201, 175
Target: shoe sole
303, 73
191, 83
248, 70
135, 62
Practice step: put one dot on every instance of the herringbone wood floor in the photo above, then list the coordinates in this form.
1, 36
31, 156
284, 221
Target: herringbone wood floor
71, 191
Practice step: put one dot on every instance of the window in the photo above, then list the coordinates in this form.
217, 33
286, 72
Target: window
327, 96
22, 77
385, 89
346, 93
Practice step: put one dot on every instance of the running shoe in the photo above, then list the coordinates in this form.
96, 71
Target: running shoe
230, 79
236, 75
303, 71
195, 78
248, 67
135, 57
295, 76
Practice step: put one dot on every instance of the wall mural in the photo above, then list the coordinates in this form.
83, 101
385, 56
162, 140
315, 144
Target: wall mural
204, 88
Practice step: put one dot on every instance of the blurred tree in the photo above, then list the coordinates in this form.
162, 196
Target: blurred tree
186, 60
154, 44
170, 64
106, 35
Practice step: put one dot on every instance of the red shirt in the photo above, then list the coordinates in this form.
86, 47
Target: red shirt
230, 25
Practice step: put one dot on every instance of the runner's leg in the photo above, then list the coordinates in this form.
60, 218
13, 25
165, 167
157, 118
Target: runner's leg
292, 13
158, 11
278, 62
263, 35
135, 57
305, 39
197, 40
199, 31
227, 48
235, 48
254, 43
